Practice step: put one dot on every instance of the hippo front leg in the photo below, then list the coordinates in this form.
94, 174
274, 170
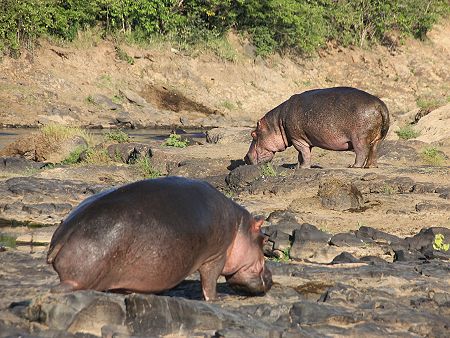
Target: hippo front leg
304, 154
209, 273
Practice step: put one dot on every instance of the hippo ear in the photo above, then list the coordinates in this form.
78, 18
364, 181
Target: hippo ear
256, 224
262, 124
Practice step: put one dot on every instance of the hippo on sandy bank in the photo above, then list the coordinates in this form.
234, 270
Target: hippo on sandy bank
340, 118
149, 235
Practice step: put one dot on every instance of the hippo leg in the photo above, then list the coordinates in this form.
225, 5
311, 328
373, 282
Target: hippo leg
304, 154
362, 153
209, 273
372, 157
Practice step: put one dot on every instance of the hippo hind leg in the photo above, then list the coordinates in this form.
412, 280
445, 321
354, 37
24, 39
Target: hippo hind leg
361, 149
372, 157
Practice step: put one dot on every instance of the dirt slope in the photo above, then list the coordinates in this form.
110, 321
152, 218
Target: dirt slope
61, 83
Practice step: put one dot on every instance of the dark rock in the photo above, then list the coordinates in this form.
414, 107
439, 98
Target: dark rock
84, 311
401, 185
424, 240
377, 235
431, 207
445, 194
345, 257
347, 239
283, 220
19, 164
128, 152
308, 313
229, 135
277, 240
339, 195
373, 260
201, 168
47, 208
402, 255
33, 188
243, 176
159, 315
423, 188
307, 240
104, 101
398, 150
134, 97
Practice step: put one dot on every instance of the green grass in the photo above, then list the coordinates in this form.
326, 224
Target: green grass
97, 156
432, 156
429, 103
8, 241
407, 132
267, 170
74, 156
118, 136
285, 256
146, 169
176, 141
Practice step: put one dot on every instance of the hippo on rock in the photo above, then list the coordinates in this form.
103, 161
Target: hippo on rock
148, 236
340, 118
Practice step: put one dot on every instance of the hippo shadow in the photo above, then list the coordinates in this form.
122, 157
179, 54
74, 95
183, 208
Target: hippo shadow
294, 166
192, 289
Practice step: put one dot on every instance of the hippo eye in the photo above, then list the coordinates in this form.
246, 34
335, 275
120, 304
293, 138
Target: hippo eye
254, 135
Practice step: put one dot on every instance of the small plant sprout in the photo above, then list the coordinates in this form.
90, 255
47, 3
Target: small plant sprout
439, 244
267, 170
175, 140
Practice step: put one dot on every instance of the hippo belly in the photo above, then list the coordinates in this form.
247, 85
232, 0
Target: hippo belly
147, 237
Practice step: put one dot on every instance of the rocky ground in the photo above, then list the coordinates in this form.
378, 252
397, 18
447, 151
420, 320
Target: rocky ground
353, 252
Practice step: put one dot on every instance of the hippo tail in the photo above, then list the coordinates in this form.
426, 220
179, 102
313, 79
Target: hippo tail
383, 110
59, 238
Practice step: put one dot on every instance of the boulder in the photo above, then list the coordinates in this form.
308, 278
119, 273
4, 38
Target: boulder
339, 195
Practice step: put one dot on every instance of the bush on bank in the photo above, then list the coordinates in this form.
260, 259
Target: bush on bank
272, 25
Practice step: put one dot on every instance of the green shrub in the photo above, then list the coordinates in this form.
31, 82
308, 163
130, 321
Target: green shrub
407, 132
175, 140
439, 244
433, 156
118, 136
74, 156
145, 167
272, 25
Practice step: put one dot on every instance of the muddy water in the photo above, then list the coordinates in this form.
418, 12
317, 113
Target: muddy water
9, 135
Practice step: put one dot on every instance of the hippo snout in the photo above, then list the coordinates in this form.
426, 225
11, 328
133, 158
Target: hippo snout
255, 285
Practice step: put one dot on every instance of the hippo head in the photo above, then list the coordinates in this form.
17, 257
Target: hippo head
266, 142
245, 268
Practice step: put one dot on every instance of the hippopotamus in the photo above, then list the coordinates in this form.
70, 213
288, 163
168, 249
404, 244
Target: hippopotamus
340, 118
149, 235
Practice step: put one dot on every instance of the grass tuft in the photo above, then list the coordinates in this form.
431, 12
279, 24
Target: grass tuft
407, 132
